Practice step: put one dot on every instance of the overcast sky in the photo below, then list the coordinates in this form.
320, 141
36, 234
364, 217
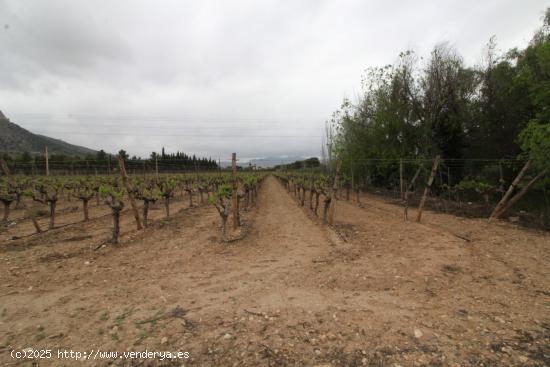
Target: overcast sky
212, 77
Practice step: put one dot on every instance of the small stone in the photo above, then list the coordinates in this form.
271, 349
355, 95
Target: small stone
164, 340
523, 359
317, 351
500, 319
227, 336
418, 333
86, 263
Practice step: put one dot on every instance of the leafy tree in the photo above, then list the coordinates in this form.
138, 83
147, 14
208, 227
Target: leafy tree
535, 142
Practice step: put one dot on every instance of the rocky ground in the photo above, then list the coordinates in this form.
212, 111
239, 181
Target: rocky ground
371, 291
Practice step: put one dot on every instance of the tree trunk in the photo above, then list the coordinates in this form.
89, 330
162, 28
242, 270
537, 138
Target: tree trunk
30, 211
85, 208
234, 192
116, 224
408, 193
35, 224
237, 211
145, 212
53, 204
224, 227
316, 203
332, 202
502, 203
427, 189
190, 198
167, 206
6, 210
520, 194
326, 208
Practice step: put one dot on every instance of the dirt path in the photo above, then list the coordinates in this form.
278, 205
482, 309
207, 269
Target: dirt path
177, 263
292, 292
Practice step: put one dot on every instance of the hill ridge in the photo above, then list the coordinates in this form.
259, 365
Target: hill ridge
16, 139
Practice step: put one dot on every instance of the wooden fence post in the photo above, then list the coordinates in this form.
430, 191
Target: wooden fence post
427, 188
502, 203
128, 187
408, 192
520, 194
234, 194
47, 161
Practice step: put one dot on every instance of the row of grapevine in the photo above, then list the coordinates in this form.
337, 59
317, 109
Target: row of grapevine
214, 188
314, 184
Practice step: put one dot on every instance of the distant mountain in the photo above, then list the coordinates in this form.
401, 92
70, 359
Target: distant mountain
15, 139
274, 161
267, 162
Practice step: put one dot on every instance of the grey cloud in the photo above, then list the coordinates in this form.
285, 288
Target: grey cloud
161, 71
58, 37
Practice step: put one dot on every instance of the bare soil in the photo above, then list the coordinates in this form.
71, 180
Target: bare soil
373, 290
